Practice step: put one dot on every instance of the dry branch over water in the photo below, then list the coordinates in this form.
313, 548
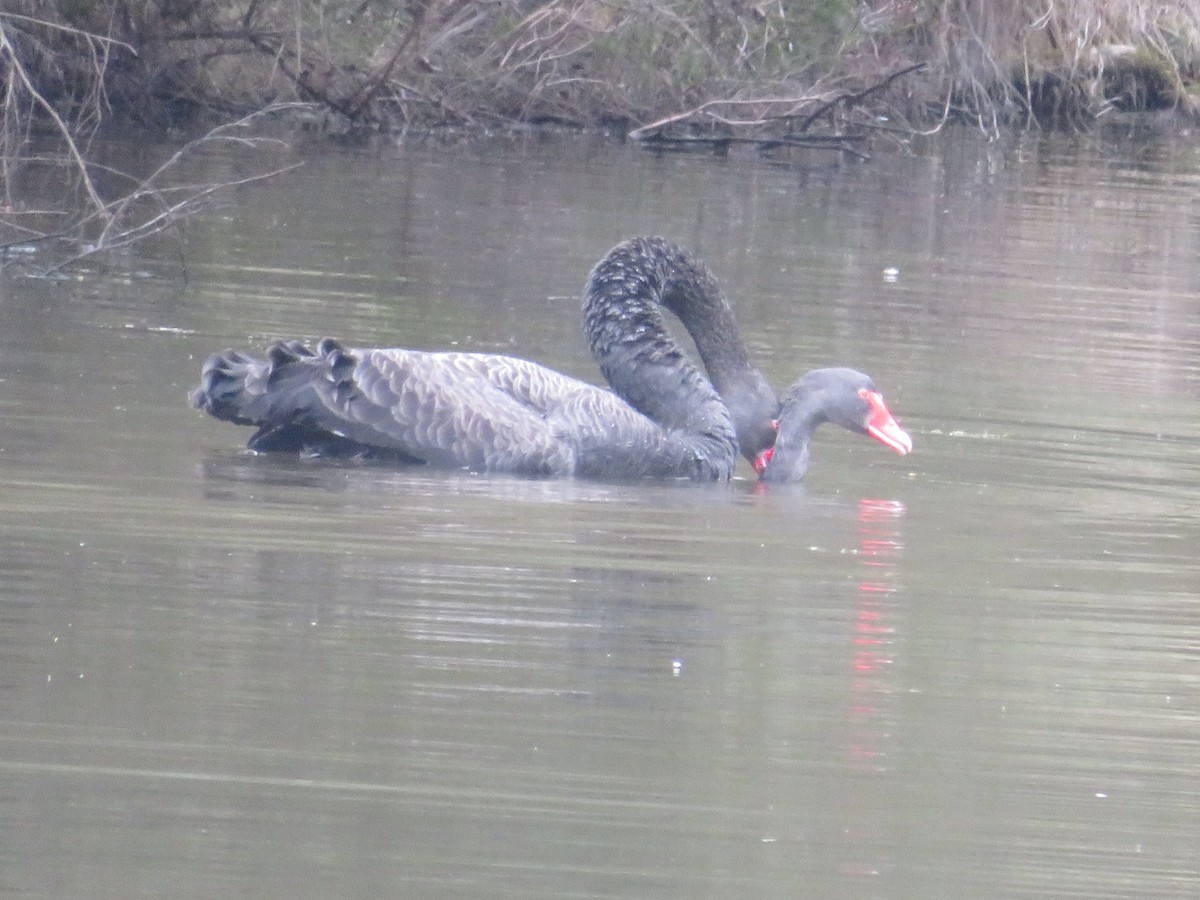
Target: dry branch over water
778, 74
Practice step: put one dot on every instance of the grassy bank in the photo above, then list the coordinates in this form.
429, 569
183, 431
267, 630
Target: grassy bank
830, 73
385, 64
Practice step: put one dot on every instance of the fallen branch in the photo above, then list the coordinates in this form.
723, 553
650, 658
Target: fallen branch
852, 97
841, 143
762, 128
645, 131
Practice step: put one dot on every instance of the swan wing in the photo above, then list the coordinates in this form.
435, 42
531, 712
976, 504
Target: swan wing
483, 412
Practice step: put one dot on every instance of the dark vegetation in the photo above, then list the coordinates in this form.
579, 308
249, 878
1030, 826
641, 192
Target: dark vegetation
825, 73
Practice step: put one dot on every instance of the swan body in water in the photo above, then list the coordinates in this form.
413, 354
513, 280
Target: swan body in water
492, 413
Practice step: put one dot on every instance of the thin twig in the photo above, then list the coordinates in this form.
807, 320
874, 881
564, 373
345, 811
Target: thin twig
67, 29
18, 70
858, 96
218, 133
164, 219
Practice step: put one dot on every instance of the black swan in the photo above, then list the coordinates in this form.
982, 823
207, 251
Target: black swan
841, 396
486, 412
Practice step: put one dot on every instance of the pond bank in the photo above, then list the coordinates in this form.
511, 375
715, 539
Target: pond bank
835, 75
723, 67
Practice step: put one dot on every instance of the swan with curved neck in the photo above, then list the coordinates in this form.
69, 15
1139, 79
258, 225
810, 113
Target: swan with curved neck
485, 412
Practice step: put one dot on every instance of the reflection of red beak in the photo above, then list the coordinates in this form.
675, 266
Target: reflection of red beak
881, 425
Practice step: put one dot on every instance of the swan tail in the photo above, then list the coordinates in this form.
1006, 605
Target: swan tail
243, 389
292, 397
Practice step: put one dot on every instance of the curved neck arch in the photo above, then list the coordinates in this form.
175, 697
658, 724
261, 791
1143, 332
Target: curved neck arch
622, 313
662, 275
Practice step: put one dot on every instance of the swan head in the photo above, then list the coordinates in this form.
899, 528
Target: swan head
842, 396
754, 407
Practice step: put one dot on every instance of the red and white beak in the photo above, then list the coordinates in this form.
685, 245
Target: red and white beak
882, 426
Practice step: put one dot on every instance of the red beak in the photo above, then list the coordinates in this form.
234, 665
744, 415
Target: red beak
882, 427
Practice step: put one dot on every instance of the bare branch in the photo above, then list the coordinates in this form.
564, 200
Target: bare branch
67, 29
9, 52
168, 217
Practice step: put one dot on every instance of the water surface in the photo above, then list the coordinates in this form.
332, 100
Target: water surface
970, 672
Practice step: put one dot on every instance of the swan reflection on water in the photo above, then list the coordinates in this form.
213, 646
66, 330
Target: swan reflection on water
490, 413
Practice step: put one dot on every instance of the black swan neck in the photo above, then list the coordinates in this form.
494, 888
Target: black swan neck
695, 297
623, 321
625, 296
793, 445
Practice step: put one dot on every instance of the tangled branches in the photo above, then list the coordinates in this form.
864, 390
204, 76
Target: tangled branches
52, 136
